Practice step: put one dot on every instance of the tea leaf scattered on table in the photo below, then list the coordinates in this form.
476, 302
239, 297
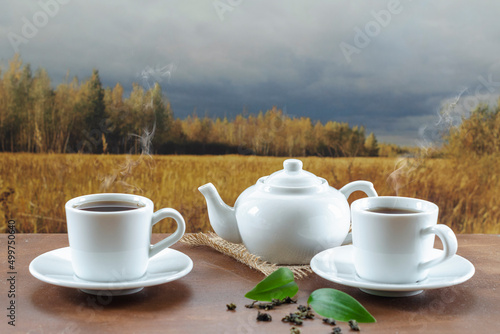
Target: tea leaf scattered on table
354, 325
264, 316
279, 285
338, 305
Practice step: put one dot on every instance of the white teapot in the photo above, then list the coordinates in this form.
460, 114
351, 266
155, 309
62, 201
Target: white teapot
286, 217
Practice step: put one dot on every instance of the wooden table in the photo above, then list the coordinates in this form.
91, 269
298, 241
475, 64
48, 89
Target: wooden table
197, 302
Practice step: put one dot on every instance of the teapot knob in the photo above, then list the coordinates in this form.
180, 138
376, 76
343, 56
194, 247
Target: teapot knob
292, 165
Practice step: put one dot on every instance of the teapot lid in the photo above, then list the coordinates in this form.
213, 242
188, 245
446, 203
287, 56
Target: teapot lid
293, 176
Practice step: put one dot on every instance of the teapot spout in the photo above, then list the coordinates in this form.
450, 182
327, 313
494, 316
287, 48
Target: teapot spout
222, 217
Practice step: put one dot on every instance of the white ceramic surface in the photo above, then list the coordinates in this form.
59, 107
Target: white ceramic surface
337, 265
115, 246
287, 217
55, 267
397, 248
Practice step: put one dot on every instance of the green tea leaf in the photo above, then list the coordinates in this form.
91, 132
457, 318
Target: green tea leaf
280, 284
335, 304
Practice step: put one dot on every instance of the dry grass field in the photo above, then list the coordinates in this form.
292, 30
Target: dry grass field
35, 187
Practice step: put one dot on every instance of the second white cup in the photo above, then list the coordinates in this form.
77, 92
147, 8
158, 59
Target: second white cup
393, 239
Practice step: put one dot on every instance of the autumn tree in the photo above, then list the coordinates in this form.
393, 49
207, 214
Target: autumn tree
477, 135
116, 112
43, 112
66, 101
94, 113
3, 113
17, 132
371, 145
163, 116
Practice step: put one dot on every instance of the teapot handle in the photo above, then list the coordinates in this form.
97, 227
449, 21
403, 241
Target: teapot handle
348, 189
364, 186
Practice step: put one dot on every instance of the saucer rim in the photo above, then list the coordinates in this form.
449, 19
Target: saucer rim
78, 283
358, 282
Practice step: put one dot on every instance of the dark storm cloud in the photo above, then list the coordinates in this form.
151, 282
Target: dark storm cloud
404, 59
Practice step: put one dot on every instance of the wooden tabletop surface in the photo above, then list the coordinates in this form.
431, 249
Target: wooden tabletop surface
197, 302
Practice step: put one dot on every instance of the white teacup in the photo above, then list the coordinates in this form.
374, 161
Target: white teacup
110, 235
393, 239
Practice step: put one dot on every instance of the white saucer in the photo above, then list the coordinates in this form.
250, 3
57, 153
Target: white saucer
336, 265
55, 267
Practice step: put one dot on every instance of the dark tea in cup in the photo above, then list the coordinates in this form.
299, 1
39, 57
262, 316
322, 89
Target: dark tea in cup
109, 206
394, 211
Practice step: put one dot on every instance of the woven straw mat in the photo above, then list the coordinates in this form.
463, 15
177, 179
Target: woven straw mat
241, 254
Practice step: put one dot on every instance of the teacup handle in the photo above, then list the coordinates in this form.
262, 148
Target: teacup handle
348, 189
449, 241
172, 239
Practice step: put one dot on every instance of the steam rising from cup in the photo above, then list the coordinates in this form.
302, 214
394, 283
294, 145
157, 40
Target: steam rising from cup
125, 170
150, 76
431, 136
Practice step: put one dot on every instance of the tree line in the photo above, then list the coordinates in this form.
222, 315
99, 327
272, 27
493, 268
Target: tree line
476, 136
83, 116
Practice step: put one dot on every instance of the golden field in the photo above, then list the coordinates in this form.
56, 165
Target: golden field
35, 187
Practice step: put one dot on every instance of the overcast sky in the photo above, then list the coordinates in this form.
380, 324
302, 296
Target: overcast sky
387, 65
